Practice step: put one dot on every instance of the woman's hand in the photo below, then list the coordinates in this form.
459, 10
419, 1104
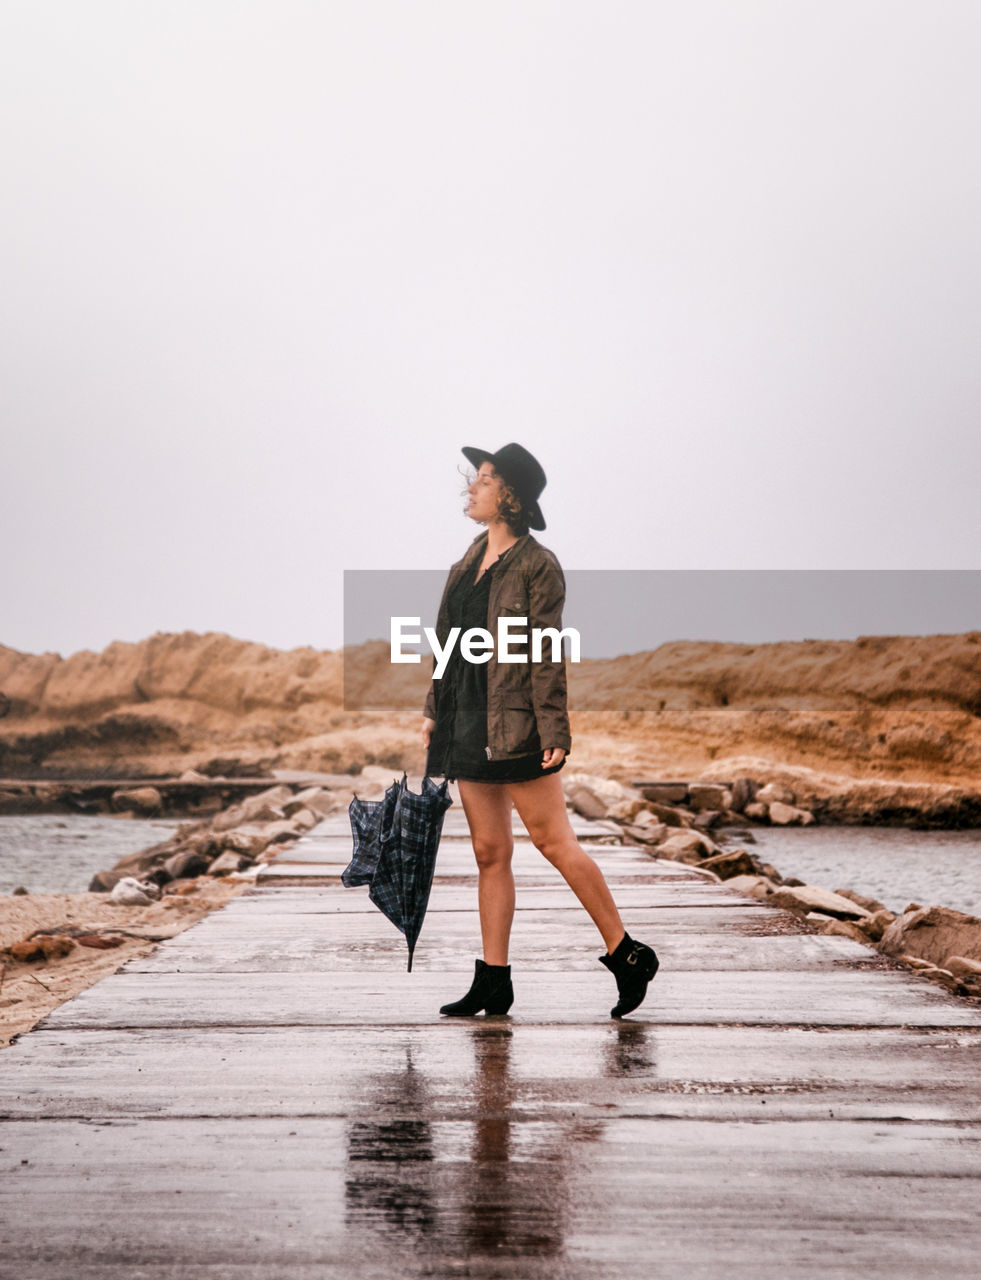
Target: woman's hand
553, 756
427, 731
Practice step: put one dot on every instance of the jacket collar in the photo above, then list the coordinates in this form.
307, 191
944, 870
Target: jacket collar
479, 546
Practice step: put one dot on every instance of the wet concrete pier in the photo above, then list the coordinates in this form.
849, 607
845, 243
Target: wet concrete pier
271, 1094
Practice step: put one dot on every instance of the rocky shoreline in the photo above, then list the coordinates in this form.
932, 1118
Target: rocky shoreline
831, 799
704, 825
192, 794
74, 940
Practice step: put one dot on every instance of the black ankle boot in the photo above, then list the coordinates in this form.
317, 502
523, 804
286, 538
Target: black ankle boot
491, 991
633, 964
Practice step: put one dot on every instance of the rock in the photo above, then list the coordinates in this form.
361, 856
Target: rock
231, 817
267, 806
625, 810
206, 802
669, 815
743, 791
810, 897
769, 870
136, 864
963, 968
20, 891
377, 774
845, 929
27, 950
304, 820
735, 823
934, 933
870, 904
706, 795
787, 815
607, 789
664, 792
875, 925
318, 800
277, 831
186, 863
688, 839
192, 775
706, 819
755, 886
689, 857
647, 819
143, 800
203, 842
735, 863
226, 863
773, 792
643, 835
263, 813
41, 946
103, 881
687, 845
757, 811
54, 945
131, 892
99, 942
646, 828
942, 976
254, 839
586, 803
241, 842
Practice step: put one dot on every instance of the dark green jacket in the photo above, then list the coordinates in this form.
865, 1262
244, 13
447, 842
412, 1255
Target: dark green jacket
521, 696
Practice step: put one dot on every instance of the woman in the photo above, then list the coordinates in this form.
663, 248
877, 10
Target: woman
501, 729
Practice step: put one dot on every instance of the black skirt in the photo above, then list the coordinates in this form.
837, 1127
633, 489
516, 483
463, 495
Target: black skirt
458, 746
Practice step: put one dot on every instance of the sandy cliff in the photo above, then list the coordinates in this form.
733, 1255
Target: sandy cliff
895, 707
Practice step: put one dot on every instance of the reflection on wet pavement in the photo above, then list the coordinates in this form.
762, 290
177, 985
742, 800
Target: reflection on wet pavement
631, 1053
384, 1188
495, 1184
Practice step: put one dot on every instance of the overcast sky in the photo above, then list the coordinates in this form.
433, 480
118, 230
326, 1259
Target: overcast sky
267, 267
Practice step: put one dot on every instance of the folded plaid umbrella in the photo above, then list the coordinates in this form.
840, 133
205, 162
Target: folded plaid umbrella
395, 844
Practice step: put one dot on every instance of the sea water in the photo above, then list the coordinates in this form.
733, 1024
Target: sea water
60, 853
893, 864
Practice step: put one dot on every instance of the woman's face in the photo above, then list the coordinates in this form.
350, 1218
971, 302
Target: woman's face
485, 494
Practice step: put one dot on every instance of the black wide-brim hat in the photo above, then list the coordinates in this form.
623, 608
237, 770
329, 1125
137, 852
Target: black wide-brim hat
521, 470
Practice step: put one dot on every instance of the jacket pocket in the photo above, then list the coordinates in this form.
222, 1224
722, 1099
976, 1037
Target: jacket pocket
520, 729
513, 606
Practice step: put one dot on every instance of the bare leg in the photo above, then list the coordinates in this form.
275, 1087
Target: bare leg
488, 809
541, 807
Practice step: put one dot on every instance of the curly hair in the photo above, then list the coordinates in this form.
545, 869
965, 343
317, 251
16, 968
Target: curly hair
510, 508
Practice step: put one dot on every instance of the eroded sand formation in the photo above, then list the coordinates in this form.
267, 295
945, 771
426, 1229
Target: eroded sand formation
902, 714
